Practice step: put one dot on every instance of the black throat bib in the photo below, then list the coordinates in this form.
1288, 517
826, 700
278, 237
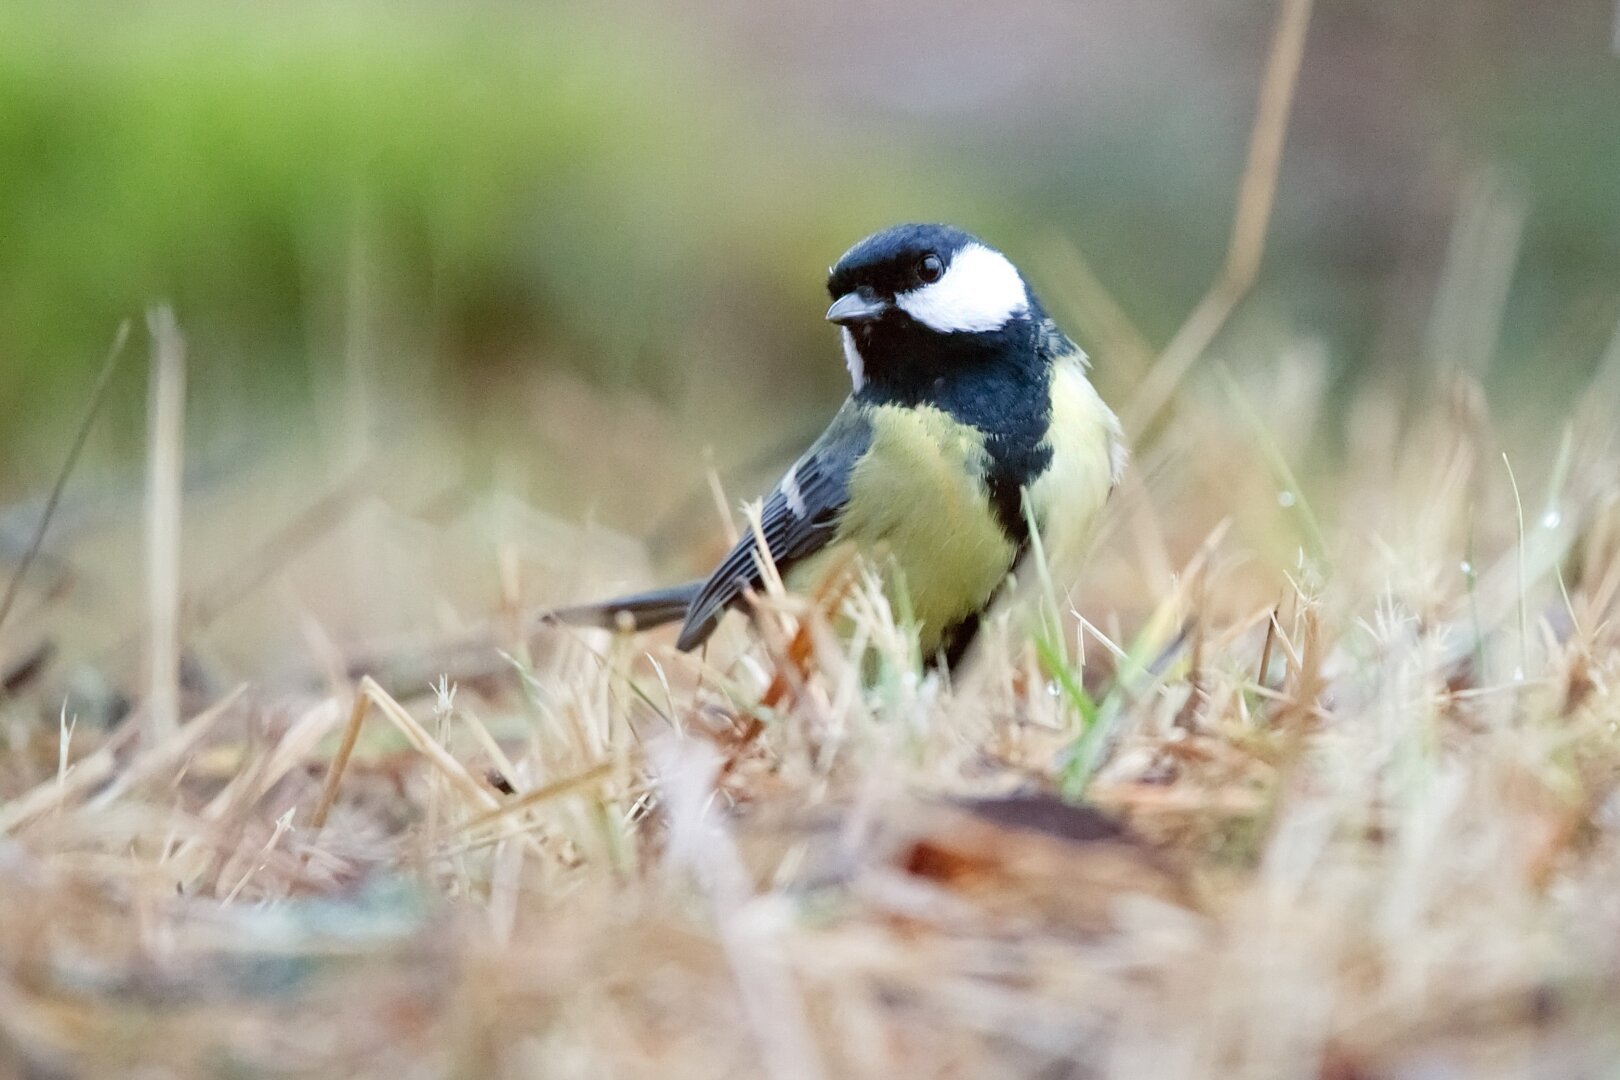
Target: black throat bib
998, 381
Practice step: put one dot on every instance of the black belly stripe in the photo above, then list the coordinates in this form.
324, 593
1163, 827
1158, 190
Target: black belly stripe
1007, 481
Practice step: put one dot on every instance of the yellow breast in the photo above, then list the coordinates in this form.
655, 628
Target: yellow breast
919, 511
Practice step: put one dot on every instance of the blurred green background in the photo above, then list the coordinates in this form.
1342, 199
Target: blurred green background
573, 236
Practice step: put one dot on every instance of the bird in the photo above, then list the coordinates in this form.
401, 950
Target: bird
970, 419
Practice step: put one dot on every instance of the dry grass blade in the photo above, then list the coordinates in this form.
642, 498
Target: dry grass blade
68, 784
98, 394
542, 794
166, 433
1256, 193
166, 756
340, 762
793, 663
441, 759
230, 813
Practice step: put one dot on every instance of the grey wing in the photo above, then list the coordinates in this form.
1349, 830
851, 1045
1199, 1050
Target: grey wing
798, 519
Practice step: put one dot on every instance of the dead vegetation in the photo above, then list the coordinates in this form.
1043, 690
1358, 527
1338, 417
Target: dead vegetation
1306, 786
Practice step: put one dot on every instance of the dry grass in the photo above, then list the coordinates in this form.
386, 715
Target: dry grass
1364, 798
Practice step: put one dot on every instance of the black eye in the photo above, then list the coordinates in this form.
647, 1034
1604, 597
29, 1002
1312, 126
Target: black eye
930, 269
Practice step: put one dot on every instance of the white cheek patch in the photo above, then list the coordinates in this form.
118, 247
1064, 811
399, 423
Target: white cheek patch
852, 360
980, 291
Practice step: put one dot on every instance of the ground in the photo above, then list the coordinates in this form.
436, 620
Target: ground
1310, 775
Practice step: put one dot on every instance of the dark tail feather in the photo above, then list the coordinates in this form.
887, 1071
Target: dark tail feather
642, 611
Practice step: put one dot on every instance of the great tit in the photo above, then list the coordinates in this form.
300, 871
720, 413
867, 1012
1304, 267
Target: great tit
970, 419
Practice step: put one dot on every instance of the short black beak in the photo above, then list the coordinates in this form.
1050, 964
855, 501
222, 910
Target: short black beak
861, 306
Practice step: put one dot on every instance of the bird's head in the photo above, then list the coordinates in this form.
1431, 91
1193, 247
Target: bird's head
925, 297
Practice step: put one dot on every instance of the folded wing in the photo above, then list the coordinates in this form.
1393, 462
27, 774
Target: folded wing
798, 519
